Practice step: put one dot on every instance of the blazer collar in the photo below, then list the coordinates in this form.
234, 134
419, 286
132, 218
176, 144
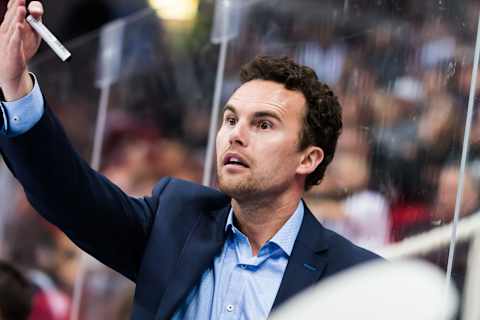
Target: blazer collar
305, 266
307, 261
204, 242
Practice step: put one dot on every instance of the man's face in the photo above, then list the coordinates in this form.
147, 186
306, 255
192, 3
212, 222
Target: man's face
257, 144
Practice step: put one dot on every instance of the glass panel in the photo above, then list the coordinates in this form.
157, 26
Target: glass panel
402, 72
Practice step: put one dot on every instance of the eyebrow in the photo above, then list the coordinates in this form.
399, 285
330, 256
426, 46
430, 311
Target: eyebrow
258, 114
229, 107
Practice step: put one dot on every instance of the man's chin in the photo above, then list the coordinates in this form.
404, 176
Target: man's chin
235, 189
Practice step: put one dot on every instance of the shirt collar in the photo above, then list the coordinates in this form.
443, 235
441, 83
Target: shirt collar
4, 115
285, 237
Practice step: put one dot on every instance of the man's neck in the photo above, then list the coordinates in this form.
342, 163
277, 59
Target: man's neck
260, 220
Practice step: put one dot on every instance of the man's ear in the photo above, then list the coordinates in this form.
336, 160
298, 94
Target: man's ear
311, 158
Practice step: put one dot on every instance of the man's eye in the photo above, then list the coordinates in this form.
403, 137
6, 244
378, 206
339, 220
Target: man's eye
264, 125
230, 121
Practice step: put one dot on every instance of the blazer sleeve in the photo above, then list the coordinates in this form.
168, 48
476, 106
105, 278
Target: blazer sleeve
98, 216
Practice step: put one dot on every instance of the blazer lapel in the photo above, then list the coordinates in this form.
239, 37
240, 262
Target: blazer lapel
203, 243
307, 261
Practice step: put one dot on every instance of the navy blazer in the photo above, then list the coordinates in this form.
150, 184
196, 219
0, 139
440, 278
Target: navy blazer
164, 242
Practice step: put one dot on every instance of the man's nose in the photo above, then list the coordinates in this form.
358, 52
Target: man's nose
238, 135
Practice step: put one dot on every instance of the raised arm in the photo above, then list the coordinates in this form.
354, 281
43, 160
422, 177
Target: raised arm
92, 211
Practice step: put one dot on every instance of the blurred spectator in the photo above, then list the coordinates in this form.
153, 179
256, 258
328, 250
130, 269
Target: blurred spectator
403, 69
461, 82
349, 207
106, 294
16, 294
394, 168
136, 155
129, 153
8, 207
439, 130
39, 251
444, 205
442, 212
395, 133
438, 43
438, 139
385, 53
322, 53
474, 152
442, 209
436, 80
124, 307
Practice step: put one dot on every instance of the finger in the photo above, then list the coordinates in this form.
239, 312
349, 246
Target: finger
19, 18
8, 15
10, 3
15, 41
21, 15
27, 29
35, 8
11, 14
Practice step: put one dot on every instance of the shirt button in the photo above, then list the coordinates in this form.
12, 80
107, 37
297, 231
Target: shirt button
15, 118
230, 308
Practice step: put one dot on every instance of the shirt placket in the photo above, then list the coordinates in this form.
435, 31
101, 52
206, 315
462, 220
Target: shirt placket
236, 291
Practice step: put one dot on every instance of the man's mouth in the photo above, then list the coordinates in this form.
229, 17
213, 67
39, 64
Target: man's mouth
234, 160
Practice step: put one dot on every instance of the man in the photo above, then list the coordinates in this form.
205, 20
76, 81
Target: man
193, 252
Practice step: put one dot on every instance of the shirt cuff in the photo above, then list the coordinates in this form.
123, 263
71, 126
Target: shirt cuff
21, 115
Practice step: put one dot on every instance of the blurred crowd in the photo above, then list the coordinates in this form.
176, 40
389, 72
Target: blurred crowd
403, 76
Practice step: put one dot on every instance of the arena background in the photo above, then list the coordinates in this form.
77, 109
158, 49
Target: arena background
137, 100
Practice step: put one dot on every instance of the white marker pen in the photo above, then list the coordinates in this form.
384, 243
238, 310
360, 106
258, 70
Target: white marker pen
49, 38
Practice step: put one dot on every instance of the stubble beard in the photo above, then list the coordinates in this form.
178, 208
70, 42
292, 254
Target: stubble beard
250, 188
239, 188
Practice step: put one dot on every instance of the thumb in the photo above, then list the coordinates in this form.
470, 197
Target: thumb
35, 8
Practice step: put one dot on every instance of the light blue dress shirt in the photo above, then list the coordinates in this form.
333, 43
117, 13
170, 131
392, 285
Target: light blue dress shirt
21, 115
239, 285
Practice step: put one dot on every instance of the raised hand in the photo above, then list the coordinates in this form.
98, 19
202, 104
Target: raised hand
18, 44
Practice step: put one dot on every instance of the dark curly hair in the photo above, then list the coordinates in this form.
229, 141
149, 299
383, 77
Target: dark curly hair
322, 123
